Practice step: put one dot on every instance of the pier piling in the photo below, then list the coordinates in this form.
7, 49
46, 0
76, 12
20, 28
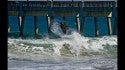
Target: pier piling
78, 23
8, 28
21, 24
96, 27
35, 25
48, 23
109, 25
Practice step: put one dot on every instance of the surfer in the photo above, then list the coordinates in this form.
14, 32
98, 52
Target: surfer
64, 27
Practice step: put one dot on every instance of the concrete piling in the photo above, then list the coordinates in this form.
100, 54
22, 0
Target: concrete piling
48, 23
96, 27
35, 25
78, 23
109, 25
8, 28
21, 24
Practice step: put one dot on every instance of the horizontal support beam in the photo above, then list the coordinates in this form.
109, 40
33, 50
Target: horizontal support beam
98, 14
60, 13
65, 8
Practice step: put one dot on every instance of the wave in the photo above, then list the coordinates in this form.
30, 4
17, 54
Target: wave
69, 45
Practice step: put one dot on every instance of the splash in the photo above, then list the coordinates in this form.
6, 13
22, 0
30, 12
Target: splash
55, 28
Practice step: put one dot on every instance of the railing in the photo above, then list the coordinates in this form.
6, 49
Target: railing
64, 4
44, 5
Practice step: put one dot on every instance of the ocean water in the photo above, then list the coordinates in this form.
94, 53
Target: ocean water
72, 51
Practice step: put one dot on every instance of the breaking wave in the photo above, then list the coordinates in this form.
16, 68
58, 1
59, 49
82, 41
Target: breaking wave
68, 45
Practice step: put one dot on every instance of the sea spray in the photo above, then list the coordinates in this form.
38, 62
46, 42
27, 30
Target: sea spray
55, 28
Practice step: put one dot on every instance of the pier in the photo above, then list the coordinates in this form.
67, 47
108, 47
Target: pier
50, 8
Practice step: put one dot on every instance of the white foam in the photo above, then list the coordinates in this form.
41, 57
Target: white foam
76, 44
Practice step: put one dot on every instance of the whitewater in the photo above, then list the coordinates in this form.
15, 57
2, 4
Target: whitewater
68, 52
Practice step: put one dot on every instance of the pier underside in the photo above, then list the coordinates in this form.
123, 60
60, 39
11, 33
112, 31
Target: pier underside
60, 13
